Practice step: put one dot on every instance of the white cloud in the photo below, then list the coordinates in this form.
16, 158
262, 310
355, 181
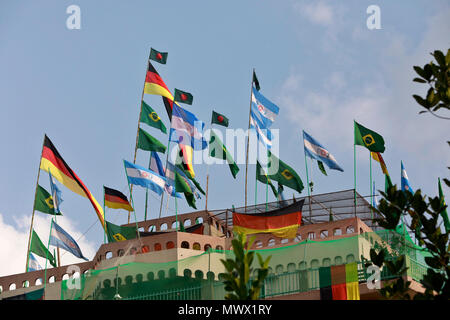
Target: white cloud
14, 240
317, 12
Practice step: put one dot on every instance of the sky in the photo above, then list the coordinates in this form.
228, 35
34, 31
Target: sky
316, 60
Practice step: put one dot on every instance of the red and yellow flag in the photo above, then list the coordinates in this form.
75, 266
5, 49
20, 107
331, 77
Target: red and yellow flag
115, 199
154, 84
283, 222
377, 157
52, 160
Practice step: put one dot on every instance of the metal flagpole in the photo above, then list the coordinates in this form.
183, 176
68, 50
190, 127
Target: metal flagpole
104, 214
354, 175
132, 202
207, 174
46, 255
34, 202
370, 186
146, 190
248, 140
308, 186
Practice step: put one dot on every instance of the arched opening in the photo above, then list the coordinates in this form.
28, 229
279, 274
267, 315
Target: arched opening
51, 279
350, 229
152, 228
25, 284
271, 242
170, 245
12, 286
157, 247
259, 244
163, 227
198, 274
311, 235
187, 223
196, 246
38, 282
185, 245
337, 232
314, 264
302, 265
338, 260
291, 267
326, 262
120, 252
219, 248
161, 274
108, 255
350, 258
65, 277
324, 234
187, 273
199, 220
145, 249
207, 247
175, 225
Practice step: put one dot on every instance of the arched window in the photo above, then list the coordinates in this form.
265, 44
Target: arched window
187, 273
108, 255
302, 265
196, 246
279, 269
326, 262
337, 232
65, 277
175, 224
51, 279
25, 284
12, 286
350, 258
258, 244
338, 260
207, 247
324, 234
271, 242
350, 229
120, 252
145, 249
187, 223
291, 267
185, 245
198, 274
170, 245
163, 227
311, 235
284, 241
219, 248
152, 228
314, 264
198, 220
157, 246
38, 282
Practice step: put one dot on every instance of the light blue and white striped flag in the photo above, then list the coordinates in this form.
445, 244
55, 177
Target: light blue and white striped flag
33, 264
143, 177
315, 150
61, 239
405, 181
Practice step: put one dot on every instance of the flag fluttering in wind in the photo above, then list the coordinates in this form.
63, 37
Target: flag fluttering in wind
285, 175
219, 119
405, 181
263, 134
52, 160
377, 157
117, 233
315, 150
154, 84
61, 239
282, 222
39, 249
150, 117
218, 150
197, 185
387, 183
143, 177
33, 264
263, 108
187, 129
56, 195
368, 138
44, 201
157, 56
183, 96
149, 143
115, 199
443, 213
262, 177
156, 164
255, 81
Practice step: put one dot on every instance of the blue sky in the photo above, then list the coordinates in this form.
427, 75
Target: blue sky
316, 60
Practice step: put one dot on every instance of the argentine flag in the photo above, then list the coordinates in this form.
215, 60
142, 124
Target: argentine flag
56, 194
143, 177
315, 150
33, 264
263, 133
61, 239
264, 108
405, 181
187, 129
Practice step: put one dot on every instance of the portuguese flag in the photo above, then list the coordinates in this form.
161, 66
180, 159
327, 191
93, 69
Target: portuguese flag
150, 117
44, 202
339, 282
115, 199
154, 84
149, 143
183, 96
219, 119
157, 56
368, 138
52, 160
283, 222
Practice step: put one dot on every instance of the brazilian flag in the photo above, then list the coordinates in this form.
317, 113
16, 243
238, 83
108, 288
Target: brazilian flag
44, 201
368, 138
150, 117
284, 174
117, 233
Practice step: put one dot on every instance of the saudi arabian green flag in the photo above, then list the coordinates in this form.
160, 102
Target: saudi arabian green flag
183, 96
261, 176
149, 143
285, 175
368, 138
150, 117
38, 248
157, 56
218, 150
44, 201
117, 233
443, 213
219, 119
321, 167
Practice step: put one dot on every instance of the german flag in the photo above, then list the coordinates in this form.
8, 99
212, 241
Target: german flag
154, 84
52, 160
115, 199
282, 222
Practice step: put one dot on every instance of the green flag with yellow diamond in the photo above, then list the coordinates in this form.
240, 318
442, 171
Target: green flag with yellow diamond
117, 233
368, 138
284, 174
44, 201
150, 117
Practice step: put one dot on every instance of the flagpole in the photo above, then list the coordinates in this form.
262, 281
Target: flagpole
256, 187
46, 256
248, 140
132, 202
370, 186
55, 202
165, 168
146, 189
207, 172
354, 176
307, 181
267, 181
34, 202
104, 215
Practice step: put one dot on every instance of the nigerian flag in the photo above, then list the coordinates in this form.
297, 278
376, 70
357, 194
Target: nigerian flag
44, 201
368, 138
218, 150
150, 117
285, 175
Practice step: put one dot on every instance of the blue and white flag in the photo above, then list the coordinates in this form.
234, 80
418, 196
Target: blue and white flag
170, 176
56, 194
143, 177
315, 150
61, 239
33, 264
187, 129
263, 133
374, 197
156, 164
405, 182
263, 108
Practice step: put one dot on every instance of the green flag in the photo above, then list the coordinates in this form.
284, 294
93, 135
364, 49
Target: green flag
183, 96
181, 185
44, 201
39, 249
387, 183
255, 81
118, 233
149, 143
443, 213
150, 117
321, 167
285, 175
218, 150
157, 56
261, 176
219, 119
368, 138
188, 174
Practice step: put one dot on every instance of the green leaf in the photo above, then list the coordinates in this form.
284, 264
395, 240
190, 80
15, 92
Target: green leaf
440, 58
424, 103
419, 80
